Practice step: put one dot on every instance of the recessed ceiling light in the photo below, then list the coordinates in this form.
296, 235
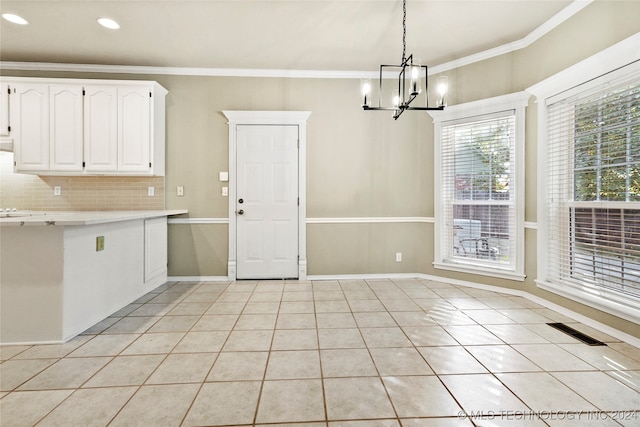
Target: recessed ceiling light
15, 19
108, 23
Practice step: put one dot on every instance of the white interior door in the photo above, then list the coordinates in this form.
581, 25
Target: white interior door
267, 201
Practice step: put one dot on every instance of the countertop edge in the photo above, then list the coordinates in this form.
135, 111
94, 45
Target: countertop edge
80, 218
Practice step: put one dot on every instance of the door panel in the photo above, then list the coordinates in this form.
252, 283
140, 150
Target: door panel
101, 128
267, 184
65, 121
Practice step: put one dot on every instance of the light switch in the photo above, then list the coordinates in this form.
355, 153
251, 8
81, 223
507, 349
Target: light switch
180, 190
152, 191
56, 190
224, 176
225, 191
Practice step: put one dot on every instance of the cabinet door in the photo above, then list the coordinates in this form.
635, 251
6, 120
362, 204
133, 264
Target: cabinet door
65, 127
134, 132
4, 109
155, 248
101, 129
29, 104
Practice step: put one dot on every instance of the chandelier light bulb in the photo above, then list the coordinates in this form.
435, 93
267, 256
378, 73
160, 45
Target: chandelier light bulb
442, 86
396, 100
366, 92
415, 79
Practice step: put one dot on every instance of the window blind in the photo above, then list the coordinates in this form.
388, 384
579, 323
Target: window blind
478, 191
593, 185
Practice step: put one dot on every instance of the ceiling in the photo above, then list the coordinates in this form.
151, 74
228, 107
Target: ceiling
341, 35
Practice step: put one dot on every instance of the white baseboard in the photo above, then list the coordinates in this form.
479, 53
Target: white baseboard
197, 279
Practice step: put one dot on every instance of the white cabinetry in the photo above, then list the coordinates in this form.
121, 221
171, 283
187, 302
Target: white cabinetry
4, 110
65, 128
87, 127
29, 118
134, 129
155, 248
100, 128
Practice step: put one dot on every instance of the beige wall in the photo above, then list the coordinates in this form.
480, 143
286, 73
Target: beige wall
359, 164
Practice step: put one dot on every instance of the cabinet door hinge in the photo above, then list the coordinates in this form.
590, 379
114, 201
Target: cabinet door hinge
149, 164
149, 94
9, 128
8, 90
83, 92
298, 201
83, 164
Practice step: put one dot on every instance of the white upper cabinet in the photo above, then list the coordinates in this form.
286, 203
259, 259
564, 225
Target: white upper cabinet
134, 130
101, 128
4, 110
29, 118
87, 127
65, 128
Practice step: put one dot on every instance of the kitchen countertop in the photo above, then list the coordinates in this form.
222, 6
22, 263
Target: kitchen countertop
83, 217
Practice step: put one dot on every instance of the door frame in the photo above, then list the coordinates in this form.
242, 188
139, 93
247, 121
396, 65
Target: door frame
297, 118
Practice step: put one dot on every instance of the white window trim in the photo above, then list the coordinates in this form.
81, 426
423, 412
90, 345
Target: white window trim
606, 61
516, 102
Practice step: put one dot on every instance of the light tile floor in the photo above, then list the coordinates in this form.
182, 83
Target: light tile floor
350, 353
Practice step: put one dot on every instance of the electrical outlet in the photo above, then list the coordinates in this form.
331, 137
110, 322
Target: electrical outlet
180, 190
225, 191
99, 243
56, 190
398, 256
152, 191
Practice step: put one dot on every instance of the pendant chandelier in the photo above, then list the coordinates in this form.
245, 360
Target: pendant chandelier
410, 75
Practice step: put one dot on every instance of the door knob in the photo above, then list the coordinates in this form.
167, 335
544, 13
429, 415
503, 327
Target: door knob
240, 212
240, 200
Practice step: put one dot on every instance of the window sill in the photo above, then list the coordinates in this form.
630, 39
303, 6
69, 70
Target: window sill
483, 271
623, 306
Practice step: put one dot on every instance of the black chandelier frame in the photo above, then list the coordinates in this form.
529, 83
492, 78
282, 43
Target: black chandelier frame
405, 96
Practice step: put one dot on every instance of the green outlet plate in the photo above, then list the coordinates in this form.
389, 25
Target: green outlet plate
99, 243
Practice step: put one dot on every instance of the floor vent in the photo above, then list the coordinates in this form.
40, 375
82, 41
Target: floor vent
576, 334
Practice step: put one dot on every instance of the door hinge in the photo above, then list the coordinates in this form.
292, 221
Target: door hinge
84, 164
9, 128
9, 90
149, 94
83, 92
298, 201
149, 164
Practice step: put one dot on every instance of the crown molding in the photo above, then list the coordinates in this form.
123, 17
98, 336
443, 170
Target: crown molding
560, 17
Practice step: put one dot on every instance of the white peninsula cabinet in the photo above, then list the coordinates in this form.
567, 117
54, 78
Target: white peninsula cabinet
61, 273
87, 127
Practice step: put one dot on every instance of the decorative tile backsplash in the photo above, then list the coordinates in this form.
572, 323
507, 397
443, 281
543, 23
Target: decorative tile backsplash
77, 193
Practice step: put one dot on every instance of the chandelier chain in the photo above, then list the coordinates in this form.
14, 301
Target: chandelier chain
404, 30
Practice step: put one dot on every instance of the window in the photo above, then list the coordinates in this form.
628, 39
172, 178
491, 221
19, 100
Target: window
479, 214
589, 181
593, 185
